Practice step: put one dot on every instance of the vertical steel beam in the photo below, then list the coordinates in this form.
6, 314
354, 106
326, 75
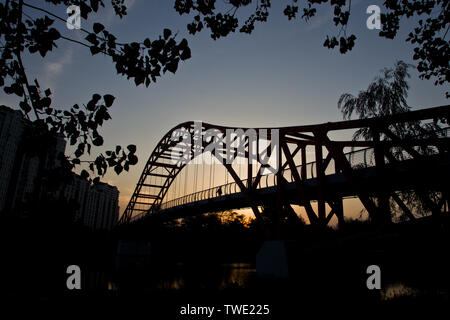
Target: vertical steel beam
277, 218
343, 165
249, 173
339, 211
384, 210
298, 183
320, 177
303, 167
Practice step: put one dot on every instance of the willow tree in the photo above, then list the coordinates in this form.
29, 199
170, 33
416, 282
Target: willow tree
385, 96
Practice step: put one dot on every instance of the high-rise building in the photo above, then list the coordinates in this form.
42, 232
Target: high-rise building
97, 204
31, 166
20, 169
102, 210
12, 126
78, 191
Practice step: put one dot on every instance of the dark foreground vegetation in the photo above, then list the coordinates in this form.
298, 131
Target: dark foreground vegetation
190, 261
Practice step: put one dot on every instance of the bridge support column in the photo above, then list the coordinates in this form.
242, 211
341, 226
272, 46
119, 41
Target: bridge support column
271, 260
384, 210
131, 253
279, 208
320, 179
339, 212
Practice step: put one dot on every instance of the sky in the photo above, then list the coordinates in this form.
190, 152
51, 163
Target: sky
280, 75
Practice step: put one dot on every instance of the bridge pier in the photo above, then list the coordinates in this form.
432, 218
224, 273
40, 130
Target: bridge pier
339, 211
271, 260
132, 253
383, 206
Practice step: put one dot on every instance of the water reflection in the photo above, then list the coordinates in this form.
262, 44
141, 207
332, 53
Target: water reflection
112, 286
218, 276
94, 280
229, 275
239, 275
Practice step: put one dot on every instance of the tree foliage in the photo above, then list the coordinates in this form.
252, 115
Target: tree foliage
387, 95
431, 49
144, 62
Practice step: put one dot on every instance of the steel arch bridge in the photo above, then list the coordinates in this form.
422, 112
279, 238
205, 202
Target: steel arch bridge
333, 174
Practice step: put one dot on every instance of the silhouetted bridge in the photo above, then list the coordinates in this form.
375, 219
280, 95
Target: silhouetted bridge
389, 162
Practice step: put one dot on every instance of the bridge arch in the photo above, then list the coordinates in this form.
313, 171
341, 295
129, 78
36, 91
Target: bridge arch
178, 147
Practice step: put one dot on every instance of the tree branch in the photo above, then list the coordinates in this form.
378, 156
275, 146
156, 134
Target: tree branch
64, 20
21, 67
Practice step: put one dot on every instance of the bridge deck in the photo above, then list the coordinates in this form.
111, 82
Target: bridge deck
430, 173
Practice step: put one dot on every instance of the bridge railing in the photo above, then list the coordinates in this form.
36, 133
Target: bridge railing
358, 159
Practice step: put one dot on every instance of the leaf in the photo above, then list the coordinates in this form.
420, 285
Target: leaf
147, 43
118, 148
98, 141
186, 54
90, 105
53, 34
84, 174
118, 169
109, 99
94, 5
131, 148
132, 159
167, 33
158, 45
45, 102
92, 38
96, 97
98, 27
183, 44
76, 161
94, 50
48, 92
173, 66
24, 106
139, 79
111, 162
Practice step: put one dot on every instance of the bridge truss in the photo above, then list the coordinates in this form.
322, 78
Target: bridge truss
190, 139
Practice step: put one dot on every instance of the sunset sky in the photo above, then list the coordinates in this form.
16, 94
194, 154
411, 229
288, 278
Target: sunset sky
280, 75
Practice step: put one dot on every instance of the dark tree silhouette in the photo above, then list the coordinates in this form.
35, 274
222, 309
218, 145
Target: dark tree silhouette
385, 96
431, 49
142, 61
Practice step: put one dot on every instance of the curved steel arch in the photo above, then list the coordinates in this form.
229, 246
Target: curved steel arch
161, 165
154, 200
